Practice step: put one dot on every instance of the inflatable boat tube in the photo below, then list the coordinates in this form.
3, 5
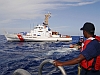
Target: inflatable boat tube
50, 61
21, 72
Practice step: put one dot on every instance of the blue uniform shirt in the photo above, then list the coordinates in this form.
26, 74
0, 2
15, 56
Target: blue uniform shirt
92, 50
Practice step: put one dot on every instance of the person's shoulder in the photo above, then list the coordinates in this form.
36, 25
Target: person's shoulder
95, 42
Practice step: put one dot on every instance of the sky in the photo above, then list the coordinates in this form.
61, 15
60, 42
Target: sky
67, 16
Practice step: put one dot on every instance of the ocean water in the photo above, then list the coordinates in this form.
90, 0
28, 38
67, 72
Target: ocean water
29, 55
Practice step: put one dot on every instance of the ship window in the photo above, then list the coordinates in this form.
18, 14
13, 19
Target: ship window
30, 37
40, 31
38, 35
34, 34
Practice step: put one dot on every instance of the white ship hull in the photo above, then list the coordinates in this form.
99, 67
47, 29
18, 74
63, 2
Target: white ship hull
15, 37
48, 39
12, 37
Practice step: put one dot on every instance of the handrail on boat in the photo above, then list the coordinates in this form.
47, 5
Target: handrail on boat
50, 61
24, 72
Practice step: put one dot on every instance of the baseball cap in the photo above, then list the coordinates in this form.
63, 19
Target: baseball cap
89, 27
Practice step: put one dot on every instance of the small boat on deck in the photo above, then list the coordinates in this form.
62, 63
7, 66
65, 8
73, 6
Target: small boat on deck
40, 33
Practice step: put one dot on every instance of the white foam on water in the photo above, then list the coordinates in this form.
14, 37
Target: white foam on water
61, 50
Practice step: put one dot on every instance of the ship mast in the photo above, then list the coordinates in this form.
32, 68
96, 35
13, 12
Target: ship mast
47, 16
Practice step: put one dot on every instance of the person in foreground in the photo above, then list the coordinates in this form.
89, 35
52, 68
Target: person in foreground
89, 57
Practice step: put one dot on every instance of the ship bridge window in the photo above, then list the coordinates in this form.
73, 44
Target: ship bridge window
40, 31
34, 34
41, 27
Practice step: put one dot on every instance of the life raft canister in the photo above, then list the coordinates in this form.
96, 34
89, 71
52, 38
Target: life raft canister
89, 64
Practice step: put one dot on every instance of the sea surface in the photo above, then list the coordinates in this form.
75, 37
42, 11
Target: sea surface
29, 55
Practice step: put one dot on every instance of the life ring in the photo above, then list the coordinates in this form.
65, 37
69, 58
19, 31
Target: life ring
50, 61
21, 72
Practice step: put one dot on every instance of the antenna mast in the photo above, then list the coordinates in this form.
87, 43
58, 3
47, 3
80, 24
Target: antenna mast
47, 16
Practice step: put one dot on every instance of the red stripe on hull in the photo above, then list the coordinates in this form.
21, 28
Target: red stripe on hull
20, 37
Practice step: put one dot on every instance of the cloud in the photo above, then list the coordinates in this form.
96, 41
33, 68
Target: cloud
86, 3
11, 10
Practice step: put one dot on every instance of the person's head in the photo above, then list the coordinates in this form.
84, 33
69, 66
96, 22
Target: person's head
88, 29
81, 39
